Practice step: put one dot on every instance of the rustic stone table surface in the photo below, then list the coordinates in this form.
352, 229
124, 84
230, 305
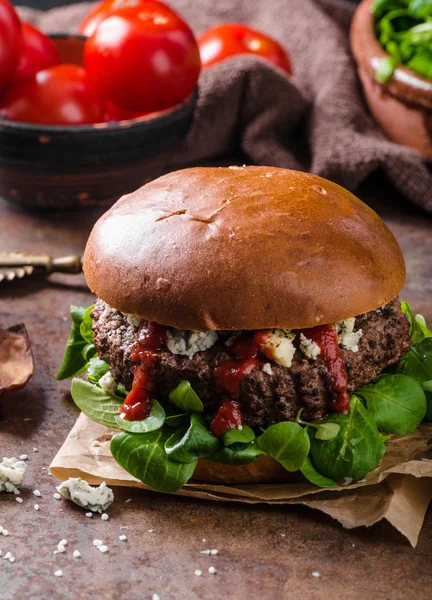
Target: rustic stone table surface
265, 552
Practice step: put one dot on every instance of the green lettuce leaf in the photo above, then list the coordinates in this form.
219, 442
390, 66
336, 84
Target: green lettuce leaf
154, 421
143, 456
287, 442
189, 444
96, 404
184, 397
355, 451
77, 353
397, 403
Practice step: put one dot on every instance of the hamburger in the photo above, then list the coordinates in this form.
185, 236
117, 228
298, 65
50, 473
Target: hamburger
247, 328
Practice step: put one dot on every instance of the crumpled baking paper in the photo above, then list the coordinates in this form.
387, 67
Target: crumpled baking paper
398, 490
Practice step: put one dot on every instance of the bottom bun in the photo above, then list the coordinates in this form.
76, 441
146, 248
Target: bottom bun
263, 470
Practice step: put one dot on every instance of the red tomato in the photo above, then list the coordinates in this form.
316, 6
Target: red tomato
145, 60
223, 41
61, 95
108, 7
39, 52
10, 42
115, 113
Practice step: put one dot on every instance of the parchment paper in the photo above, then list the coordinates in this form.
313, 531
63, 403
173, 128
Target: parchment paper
399, 490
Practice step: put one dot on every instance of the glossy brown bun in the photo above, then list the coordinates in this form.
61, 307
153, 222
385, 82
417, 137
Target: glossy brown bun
263, 470
243, 248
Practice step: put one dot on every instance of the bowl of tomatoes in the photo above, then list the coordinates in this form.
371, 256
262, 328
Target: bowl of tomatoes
87, 118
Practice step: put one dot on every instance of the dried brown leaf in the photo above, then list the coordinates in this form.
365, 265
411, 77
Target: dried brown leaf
16, 359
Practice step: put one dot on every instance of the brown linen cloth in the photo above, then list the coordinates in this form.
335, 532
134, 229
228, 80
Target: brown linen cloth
317, 121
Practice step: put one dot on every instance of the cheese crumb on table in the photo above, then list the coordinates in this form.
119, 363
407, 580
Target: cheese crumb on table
198, 572
212, 570
58, 573
96, 499
12, 473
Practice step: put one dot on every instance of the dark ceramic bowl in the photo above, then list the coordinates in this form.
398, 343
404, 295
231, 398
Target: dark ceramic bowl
67, 167
403, 105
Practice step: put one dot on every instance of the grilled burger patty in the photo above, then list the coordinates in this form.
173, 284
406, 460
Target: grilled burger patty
265, 398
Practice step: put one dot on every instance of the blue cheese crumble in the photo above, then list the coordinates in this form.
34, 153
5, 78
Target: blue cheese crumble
347, 337
96, 499
108, 383
12, 473
279, 346
309, 348
188, 343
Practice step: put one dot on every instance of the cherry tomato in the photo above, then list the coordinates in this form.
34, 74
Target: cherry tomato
223, 41
10, 42
145, 60
102, 10
115, 113
38, 52
61, 95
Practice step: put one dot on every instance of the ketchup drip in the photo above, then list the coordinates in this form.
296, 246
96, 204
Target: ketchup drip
150, 339
228, 376
325, 336
228, 416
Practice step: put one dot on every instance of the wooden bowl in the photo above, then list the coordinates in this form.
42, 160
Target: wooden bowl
403, 105
74, 166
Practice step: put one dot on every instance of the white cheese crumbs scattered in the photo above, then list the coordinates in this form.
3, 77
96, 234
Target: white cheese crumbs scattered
198, 572
155, 597
96, 499
279, 346
35, 449
8, 555
76, 554
347, 337
315, 574
4, 531
103, 548
309, 348
12, 559
19, 500
150, 530
12, 473
267, 369
212, 570
57, 496
37, 493
61, 548
205, 552
108, 383
58, 573
1, 552
214, 551
133, 320
97, 543
23, 457
89, 515
104, 517
36, 506
123, 538
188, 343
63, 542
204, 540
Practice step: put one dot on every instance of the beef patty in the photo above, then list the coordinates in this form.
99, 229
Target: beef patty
265, 398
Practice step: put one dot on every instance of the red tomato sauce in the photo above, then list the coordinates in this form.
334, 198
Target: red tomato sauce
325, 336
228, 416
150, 339
228, 376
